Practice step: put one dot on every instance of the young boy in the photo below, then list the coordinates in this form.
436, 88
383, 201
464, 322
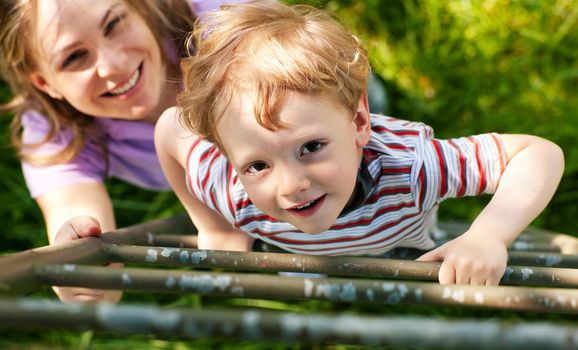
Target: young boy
274, 140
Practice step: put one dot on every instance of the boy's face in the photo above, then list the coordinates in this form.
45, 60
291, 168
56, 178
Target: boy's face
303, 174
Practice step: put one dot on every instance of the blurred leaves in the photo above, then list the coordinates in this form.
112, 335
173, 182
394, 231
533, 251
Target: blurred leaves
468, 67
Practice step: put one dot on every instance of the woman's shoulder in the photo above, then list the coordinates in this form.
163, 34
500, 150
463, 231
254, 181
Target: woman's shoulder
32, 119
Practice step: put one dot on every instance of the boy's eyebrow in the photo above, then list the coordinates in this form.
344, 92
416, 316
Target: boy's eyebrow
107, 14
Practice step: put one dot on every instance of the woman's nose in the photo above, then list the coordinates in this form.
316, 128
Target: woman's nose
110, 62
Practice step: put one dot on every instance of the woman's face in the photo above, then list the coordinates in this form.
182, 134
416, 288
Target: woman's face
101, 57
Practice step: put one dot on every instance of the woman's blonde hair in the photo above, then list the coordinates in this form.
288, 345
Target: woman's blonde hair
169, 20
267, 49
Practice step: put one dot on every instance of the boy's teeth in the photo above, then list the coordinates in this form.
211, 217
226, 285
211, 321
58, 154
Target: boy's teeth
129, 84
305, 205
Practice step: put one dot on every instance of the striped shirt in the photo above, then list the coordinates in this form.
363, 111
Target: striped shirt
412, 173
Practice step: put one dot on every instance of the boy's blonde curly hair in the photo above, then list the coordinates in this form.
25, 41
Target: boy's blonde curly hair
266, 49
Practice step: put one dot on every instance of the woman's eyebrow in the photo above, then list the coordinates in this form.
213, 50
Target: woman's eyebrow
107, 14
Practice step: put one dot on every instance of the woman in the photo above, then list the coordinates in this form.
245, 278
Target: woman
90, 79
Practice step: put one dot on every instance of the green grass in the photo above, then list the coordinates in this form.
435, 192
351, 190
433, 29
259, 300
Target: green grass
464, 67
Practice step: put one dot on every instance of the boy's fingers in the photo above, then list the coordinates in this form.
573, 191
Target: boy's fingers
433, 255
463, 277
447, 274
477, 281
493, 281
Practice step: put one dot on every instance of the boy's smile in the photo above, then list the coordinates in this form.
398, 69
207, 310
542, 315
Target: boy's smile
304, 173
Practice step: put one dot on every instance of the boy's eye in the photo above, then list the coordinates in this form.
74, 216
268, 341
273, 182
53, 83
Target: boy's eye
110, 26
256, 167
311, 147
73, 57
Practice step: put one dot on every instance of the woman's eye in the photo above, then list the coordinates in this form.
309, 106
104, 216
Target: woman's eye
311, 147
256, 167
110, 26
73, 57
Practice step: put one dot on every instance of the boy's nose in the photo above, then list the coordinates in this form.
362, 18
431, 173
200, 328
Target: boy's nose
292, 182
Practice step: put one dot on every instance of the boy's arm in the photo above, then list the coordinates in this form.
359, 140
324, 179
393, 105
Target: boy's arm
479, 256
173, 143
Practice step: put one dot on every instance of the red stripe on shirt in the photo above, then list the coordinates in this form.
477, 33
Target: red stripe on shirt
501, 153
350, 238
249, 219
188, 160
367, 221
422, 186
212, 196
206, 154
361, 222
380, 128
243, 204
389, 192
216, 154
443, 169
369, 155
462, 172
229, 185
480, 165
404, 170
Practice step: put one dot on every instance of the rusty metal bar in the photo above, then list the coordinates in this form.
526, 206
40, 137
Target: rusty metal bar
144, 234
332, 289
519, 245
331, 265
452, 229
171, 240
529, 246
16, 270
410, 332
515, 257
16, 273
566, 244
543, 259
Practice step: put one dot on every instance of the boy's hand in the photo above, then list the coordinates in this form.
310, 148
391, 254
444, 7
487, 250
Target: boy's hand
470, 259
75, 228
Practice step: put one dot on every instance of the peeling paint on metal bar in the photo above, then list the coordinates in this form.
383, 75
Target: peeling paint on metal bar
333, 289
255, 325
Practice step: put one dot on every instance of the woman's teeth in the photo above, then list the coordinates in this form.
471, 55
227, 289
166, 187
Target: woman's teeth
126, 87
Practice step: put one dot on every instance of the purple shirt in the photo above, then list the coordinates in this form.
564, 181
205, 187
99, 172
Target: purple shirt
131, 152
131, 156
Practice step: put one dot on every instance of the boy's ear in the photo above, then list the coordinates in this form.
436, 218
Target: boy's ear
362, 122
41, 84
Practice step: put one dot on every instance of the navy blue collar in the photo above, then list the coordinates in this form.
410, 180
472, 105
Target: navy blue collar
363, 185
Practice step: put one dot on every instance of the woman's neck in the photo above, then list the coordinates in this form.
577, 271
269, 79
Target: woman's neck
168, 96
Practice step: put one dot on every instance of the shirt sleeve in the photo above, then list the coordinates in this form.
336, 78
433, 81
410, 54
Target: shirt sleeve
88, 166
210, 178
467, 166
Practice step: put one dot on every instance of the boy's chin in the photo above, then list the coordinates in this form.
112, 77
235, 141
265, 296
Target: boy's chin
313, 229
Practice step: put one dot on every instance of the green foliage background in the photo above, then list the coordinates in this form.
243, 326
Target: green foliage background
467, 67
464, 67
